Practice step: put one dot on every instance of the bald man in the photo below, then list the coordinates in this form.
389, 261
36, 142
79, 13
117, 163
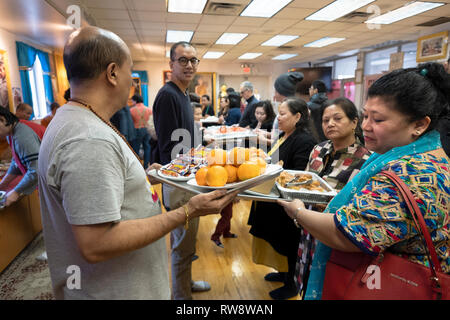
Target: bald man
103, 227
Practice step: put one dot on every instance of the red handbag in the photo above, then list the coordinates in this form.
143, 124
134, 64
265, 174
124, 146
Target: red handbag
358, 276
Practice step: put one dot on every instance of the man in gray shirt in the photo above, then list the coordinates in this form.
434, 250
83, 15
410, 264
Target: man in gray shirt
103, 227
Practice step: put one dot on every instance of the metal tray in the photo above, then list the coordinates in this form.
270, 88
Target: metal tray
308, 196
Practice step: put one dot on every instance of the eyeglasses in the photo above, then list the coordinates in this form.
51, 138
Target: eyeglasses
184, 61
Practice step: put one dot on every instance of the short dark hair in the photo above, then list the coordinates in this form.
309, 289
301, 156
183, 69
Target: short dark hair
319, 85
10, 117
194, 97
229, 90
268, 109
54, 105
235, 100
196, 105
206, 96
175, 46
297, 105
87, 59
67, 95
23, 105
416, 92
137, 98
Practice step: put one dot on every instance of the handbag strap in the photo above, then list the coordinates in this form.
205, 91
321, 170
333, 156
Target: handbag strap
418, 219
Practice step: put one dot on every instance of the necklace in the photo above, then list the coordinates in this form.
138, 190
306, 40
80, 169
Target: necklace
88, 106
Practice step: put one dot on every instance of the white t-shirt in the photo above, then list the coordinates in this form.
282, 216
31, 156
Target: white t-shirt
88, 175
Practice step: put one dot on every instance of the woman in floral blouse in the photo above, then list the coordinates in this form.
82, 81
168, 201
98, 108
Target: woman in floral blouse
336, 160
369, 215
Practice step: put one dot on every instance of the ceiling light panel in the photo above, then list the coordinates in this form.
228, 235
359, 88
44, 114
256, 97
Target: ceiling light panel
404, 12
323, 42
279, 40
337, 9
176, 36
231, 38
213, 55
186, 6
285, 56
250, 55
264, 8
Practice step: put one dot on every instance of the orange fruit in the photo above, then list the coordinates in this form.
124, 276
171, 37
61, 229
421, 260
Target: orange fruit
217, 157
254, 152
216, 176
260, 162
232, 173
200, 176
238, 156
248, 170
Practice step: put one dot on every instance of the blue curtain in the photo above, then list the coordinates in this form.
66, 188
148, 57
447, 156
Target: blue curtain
26, 56
144, 84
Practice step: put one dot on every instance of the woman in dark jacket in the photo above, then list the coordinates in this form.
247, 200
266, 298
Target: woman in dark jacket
234, 111
275, 236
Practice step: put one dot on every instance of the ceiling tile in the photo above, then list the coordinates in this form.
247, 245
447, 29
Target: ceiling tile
313, 4
248, 21
153, 5
216, 19
109, 13
183, 17
110, 4
294, 13
108, 24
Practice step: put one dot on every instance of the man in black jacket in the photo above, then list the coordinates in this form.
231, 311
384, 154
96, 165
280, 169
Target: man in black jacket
248, 116
318, 94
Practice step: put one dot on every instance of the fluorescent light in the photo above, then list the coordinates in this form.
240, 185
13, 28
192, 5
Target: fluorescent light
337, 9
264, 8
250, 55
176, 36
279, 40
213, 55
285, 56
404, 12
231, 38
186, 6
323, 42
168, 53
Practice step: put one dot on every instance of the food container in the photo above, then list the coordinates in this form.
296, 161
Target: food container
308, 196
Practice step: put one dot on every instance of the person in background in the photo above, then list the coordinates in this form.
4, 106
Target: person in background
275, 236
224, 107
318, 96
140, 114
264, 115
399, 118
24, 111
53, 107
285, 86
116, 238
207, 108
172, 111
25, 144
234, 112
194, 97
248, 116
123, 121
337, 160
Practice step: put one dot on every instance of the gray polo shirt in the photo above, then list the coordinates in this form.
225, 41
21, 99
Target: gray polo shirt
88, 175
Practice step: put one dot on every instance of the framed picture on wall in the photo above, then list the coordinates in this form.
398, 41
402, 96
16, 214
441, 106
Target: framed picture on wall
166, 76
204, 83
6, 97
432, 47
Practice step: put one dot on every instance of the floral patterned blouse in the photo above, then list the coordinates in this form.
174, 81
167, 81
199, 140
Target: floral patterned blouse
377, 218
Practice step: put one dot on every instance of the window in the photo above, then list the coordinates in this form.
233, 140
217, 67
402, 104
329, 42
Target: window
409, 59
378, 61
345, 68
38, 89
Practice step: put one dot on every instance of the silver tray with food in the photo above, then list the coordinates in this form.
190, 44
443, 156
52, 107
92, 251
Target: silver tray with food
304, 185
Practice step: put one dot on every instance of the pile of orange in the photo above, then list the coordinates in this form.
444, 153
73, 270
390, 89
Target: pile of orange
227, 167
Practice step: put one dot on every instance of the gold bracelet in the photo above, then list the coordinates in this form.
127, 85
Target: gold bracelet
186, 212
